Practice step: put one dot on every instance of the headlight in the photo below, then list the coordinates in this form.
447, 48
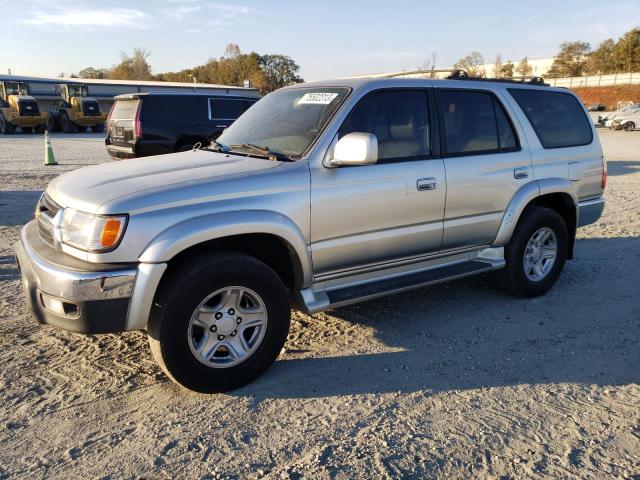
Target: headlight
92, 233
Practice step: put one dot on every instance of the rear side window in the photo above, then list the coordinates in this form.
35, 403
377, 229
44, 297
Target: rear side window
179, 108
475, 122
398, 119
557, 118
124, 109
228, 108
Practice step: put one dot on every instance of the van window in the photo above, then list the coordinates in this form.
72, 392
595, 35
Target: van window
179, 108
398, 119
557, 117
475, 122
228, 108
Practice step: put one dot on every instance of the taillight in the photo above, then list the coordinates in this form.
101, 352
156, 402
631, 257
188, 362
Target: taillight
603, 183
137, 127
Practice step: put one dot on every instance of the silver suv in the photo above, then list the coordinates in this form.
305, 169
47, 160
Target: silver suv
320, 195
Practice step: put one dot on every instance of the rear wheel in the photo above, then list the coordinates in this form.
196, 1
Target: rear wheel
40, 129
629, 126
26, 129
99, 128
536, 253
219, 322
67, 125
52, 123
6, 127
80, 128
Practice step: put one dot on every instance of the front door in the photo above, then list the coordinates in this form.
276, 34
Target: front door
375, 214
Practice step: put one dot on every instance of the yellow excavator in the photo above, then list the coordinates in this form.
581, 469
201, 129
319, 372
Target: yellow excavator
76, 111
19, 109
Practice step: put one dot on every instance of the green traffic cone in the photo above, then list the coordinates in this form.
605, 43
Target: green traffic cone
49, 159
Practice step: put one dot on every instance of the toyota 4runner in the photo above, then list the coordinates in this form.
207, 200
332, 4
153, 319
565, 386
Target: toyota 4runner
320, 195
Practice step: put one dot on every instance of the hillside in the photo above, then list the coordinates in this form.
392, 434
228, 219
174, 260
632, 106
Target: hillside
609, 96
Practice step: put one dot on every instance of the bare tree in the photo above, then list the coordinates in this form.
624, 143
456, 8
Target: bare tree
232, 50
473, 64
497, 68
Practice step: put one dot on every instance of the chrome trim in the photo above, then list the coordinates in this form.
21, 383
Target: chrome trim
590, 211
75, 285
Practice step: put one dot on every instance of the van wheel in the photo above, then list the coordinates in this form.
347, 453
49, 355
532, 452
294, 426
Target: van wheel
219, 322
629, 126
536, 253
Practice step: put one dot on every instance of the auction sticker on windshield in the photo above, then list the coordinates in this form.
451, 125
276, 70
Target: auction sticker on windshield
317, 98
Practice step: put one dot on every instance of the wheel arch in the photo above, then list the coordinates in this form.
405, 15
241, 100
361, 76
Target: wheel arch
554, 193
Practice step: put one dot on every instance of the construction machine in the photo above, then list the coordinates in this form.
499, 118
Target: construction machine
19, 109
76, 111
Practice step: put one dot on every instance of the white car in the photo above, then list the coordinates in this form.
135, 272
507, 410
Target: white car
607, 120
628, 120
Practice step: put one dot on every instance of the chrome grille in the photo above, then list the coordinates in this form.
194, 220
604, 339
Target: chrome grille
47, 210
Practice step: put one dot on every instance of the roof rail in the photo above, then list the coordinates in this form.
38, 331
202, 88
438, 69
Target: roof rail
459, 74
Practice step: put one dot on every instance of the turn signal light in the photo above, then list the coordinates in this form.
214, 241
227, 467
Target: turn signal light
110, 232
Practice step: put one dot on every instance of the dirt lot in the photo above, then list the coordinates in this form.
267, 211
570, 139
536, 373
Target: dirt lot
454, 381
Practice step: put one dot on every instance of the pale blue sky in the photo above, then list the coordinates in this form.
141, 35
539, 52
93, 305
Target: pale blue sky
327, 39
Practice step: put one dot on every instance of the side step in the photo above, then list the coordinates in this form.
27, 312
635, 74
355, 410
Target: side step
314, 301
405, 282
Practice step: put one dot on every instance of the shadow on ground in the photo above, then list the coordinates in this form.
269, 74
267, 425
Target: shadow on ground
621, 167
17, 207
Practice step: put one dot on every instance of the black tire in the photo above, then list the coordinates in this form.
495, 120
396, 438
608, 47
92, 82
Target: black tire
52, 123
26, 129
40, 129
629, 126
178, 297
99, 128
513, 277
80, 128
66, 124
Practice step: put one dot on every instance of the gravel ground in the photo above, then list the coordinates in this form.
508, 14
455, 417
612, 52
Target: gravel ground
453, 381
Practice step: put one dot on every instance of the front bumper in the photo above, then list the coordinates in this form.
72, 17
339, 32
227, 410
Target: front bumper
70, 293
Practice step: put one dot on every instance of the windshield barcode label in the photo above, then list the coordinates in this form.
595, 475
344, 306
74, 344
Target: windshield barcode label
318, 98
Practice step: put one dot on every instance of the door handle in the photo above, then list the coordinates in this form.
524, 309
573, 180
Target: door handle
426, 183
520, 173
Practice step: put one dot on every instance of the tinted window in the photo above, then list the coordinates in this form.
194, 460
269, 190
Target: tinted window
557, 118
398, 119
470, 123
506, 135
228, 109
178, 108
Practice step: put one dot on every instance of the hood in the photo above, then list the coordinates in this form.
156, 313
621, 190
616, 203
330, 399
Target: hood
90, 188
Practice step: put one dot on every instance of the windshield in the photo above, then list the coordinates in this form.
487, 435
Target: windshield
77, 91
286, 121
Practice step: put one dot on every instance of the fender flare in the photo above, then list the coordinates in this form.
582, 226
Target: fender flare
194, 231
523, 197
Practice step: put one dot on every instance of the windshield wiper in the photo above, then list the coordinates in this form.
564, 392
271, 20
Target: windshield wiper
219, 147
264, 151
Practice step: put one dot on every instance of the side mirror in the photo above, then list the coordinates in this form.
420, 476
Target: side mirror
354, 149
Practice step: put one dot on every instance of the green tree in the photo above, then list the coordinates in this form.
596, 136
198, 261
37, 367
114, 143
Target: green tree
602, 59
279, 71
91, 72
626, 53
473, 64
571, 61
507, 70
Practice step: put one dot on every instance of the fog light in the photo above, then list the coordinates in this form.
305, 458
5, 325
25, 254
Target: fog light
59, 307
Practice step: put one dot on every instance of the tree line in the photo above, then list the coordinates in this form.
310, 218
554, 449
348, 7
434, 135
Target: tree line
266, 72
573, 60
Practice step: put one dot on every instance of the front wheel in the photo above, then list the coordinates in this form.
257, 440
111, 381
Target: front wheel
629, 126
536, 252
219, 322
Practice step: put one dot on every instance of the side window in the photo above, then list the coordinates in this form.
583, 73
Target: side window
227, 108
398, 119
475, 122
557, 117
169, 108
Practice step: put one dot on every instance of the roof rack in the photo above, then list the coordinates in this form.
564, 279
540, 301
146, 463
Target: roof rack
459, 74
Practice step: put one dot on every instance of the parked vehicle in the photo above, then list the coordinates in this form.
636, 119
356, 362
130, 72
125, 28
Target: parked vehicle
19, 109
628, 120
320, 195
144, 124
596, 107
607, 120
75, 111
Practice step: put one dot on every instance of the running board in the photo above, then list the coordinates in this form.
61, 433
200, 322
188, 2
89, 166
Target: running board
314, 302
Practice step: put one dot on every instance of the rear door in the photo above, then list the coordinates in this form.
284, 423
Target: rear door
485, 165
121, 122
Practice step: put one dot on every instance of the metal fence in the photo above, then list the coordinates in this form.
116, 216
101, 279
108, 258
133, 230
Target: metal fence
596, 80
